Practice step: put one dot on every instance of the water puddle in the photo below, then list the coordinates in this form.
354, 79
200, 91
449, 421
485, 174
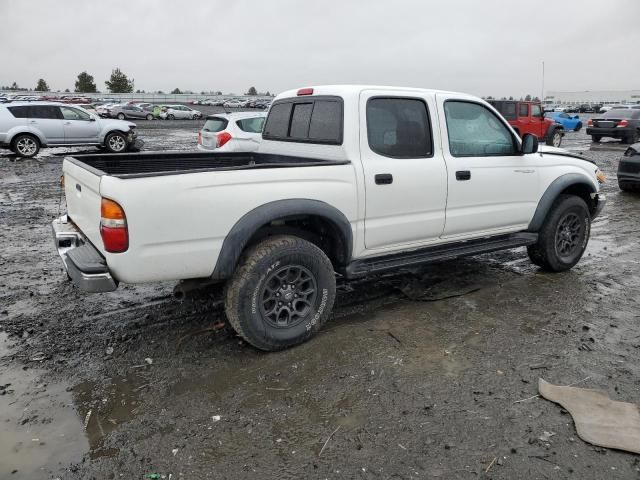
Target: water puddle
102, 407
40, 432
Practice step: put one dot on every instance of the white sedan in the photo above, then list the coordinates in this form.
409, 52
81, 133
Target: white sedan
232, 132
180, 112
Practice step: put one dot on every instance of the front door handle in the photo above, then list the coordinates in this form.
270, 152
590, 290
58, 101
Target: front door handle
463, 175
384, 179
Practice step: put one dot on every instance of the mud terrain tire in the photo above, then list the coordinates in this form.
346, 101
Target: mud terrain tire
564, 235
281, 294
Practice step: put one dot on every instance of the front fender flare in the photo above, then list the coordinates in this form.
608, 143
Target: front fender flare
240, 234
553, 191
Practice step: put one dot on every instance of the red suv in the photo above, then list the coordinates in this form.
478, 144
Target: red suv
528, 117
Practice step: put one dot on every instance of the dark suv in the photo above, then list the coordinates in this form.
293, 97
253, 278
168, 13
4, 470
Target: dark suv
623, 124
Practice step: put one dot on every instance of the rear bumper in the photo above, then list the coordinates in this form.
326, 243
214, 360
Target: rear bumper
610, 132
84, 264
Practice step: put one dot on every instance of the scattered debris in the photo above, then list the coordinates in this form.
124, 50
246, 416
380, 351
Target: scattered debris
175, 451
327, 441
86, 419
599, 420
38, 357
546, 436
109, 351
491, 464
216, 418
148, 361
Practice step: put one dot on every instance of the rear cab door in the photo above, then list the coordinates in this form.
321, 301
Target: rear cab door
48, 120
405, 174
492, 188
524, 119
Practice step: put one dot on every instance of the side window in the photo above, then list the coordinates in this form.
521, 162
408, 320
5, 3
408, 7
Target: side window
45, 111
475, 131
251, 125
73, 114
536, 111
399, 127
19, 112
523, 110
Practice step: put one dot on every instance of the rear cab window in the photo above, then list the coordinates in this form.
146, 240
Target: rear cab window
215, 124
506, 109
306, 119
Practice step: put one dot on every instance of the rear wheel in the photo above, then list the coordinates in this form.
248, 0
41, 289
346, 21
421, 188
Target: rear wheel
121, 116
171, 117
25, 145
281, 294
563, 236
578, 127
555, 139
116, 142
596, 138
632, 138
149, 117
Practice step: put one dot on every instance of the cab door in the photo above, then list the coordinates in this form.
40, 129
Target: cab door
79, 126
492, 188
524, 120
404, 171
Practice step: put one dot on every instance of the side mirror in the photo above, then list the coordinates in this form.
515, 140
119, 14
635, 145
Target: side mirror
529, 144
92, 119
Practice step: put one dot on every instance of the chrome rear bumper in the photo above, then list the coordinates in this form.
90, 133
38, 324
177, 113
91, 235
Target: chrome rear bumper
85, 266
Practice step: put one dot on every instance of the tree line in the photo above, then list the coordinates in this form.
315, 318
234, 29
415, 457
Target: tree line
119, 82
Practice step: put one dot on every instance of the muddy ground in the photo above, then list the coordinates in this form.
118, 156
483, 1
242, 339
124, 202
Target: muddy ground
416, 375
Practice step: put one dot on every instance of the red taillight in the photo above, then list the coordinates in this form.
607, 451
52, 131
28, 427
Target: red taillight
623, 123
222, 138
113, 227
590, 123
199, 138
305, 91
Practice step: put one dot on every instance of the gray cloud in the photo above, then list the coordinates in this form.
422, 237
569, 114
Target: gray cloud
488, 47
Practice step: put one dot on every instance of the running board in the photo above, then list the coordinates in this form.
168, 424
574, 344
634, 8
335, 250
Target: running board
438, 253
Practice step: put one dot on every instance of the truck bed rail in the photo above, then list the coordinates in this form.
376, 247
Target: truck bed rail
151, 164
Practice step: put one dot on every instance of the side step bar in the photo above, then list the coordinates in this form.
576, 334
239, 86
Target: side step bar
439, 253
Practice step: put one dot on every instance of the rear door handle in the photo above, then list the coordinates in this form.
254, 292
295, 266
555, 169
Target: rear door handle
463, 175
384, 179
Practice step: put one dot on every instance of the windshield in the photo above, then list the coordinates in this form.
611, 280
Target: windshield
215, 124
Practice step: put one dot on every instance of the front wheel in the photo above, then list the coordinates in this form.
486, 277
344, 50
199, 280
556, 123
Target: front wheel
281, 294
578, 127
564, 235
632, 138
171, 117
149, 117
116, 142
121, 116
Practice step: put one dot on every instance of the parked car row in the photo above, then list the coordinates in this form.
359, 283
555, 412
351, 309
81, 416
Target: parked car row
148, 111
586, 108
260, 103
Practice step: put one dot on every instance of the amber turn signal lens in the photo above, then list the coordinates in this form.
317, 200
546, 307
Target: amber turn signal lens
111, 210
600, 176
62, 180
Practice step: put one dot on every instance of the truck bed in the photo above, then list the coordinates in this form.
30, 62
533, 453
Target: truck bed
150, 164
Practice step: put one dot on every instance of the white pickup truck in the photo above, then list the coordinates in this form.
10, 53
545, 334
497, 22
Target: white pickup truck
353, 180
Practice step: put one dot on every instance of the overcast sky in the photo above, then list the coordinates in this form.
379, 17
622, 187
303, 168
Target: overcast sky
484, 47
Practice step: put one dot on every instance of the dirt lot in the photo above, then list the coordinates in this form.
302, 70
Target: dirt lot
416, 375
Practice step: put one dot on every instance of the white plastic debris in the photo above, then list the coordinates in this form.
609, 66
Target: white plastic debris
216, 418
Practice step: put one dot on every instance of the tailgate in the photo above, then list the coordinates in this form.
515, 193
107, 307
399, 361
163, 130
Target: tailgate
82, 190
